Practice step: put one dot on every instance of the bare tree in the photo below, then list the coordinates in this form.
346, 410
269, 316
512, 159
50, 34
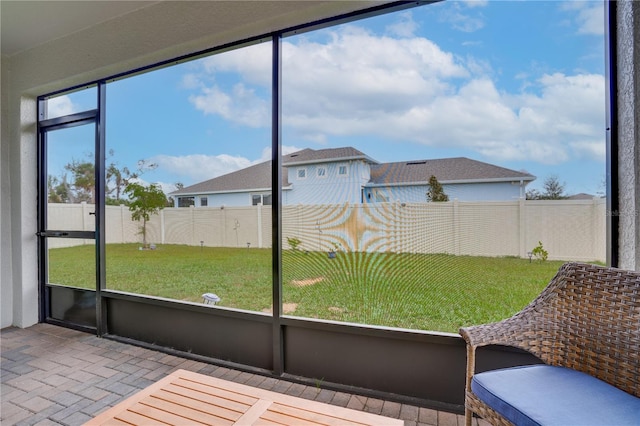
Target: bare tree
552, 190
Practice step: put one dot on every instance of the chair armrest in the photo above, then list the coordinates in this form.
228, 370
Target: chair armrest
537, 328
519, 331
527, 330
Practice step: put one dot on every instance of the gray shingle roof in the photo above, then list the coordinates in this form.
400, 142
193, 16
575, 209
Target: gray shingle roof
253, 177
259, 176
460, 169
581, 196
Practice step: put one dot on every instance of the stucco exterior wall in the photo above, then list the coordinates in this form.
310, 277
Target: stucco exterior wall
235, 199
496, 191
628, 46
331, 188
6, 288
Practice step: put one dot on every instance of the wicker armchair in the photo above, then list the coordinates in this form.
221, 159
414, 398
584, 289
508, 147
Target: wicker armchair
587, 319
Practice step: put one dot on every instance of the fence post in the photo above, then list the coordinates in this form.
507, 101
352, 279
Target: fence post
161, 226
83, 205
259, 218
223, 228
456, 227
85, 216
522, 226
122, 240
192, 210
595, 229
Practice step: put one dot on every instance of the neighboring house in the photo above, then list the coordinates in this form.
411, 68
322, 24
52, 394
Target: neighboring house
346, 175
581, 196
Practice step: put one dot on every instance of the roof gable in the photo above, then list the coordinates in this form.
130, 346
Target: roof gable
253, 177
311, 156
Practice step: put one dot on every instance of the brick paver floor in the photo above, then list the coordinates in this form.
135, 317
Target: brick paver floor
53, 375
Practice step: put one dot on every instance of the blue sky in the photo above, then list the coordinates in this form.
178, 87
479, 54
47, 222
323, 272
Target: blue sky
518, 84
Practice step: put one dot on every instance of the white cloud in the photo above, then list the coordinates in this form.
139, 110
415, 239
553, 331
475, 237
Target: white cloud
405, 26
253, 61
190, 81
164, 186
461, 18
356, 80
356, 83
589, 16
238, 102
475, 3
588, 149
401, 94
241, 105
190, 169
199, 167
549, 127
167, 188
59, 106
591, 19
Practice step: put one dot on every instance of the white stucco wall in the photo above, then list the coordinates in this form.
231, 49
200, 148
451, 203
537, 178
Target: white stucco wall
496, 191
330, 189
235, 199
628, 46
6, 288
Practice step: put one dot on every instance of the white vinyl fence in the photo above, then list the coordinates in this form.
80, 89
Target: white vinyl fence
568, 229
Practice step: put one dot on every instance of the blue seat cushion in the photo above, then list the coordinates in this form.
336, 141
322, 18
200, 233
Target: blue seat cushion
546, 395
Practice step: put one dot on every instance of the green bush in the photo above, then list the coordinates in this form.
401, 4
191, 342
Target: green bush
293, 242
539, 252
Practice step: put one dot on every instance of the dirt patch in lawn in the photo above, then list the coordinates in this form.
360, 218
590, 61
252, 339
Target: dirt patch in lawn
306, 282
287, 308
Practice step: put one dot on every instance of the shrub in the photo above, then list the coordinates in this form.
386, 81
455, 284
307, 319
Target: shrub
293, 242
539, 252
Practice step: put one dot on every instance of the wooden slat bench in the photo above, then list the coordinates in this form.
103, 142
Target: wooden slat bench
184, 397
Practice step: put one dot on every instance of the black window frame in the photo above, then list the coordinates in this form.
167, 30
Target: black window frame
395, 6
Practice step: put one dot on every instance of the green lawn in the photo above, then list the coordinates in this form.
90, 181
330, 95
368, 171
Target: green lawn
418, 291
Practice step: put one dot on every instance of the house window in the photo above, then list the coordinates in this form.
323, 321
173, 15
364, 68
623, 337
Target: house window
322, 172
342, 170
186, 201
302, 173
380, 197
204, 201
261, 199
